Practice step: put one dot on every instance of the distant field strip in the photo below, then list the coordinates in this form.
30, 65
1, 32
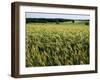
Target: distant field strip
51, 44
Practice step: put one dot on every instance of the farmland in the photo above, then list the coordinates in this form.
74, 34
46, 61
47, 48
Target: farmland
51, 44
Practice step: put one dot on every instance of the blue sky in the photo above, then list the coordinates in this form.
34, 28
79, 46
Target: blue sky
58, 15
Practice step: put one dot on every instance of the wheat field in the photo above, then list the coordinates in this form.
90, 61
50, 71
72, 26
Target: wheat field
51, 44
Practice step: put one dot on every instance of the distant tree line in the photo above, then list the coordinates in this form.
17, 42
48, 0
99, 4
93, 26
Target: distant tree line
46, 20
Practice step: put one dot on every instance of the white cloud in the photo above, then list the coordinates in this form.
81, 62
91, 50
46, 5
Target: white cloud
57, 15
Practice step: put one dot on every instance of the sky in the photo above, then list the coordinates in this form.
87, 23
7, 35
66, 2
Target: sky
57, 15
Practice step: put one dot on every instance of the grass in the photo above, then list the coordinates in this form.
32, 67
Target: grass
52, 44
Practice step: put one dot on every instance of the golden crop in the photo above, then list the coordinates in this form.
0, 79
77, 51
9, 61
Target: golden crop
53, 44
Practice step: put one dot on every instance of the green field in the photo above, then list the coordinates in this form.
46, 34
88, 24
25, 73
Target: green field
51, 44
